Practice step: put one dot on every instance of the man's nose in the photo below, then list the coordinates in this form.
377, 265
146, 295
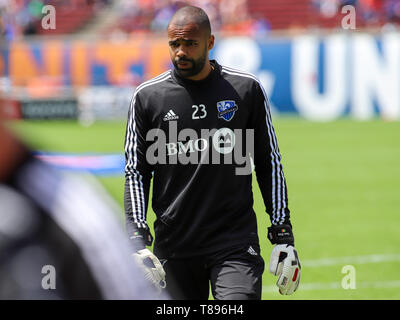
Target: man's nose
180, 52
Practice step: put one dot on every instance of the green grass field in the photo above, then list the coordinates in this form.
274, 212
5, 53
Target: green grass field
344, 194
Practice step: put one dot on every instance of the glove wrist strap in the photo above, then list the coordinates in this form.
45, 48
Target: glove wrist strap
142, 238
281, 234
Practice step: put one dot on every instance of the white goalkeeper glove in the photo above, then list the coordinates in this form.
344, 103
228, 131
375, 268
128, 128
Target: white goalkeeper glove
152, 268
285, 264
284, 261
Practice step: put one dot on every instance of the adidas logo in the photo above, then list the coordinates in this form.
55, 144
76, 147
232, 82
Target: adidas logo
170, 116
252, 251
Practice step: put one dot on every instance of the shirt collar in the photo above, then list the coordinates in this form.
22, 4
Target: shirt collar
211, 76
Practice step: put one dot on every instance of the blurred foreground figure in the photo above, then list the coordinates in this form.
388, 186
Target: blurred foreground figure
59, 236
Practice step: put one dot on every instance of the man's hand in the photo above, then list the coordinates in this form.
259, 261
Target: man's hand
285, 264
152, 268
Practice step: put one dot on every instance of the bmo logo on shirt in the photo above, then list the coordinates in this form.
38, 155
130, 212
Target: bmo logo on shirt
223, 141
213, 146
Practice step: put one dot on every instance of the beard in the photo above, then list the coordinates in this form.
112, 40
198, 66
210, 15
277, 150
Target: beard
196, 65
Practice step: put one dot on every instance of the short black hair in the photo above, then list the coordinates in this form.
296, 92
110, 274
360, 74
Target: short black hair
192, 14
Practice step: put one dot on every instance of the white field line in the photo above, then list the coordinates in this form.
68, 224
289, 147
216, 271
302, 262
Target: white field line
337, 286
372, 258
315, 263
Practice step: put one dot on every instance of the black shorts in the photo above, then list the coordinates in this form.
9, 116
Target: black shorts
234, 274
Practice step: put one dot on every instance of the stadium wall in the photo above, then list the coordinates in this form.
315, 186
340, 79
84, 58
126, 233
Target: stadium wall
318, 77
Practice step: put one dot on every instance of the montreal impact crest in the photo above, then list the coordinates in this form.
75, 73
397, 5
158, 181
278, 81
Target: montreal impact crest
226, 109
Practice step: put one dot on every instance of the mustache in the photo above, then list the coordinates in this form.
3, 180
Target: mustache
183, 60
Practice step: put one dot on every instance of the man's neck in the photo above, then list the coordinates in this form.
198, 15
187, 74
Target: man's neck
203, 73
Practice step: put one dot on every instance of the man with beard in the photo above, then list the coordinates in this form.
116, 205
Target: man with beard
206, 228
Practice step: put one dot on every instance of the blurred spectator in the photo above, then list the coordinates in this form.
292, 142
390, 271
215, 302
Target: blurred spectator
392, 10
327, 8
371, 10
18, 17
260, 26
163, 12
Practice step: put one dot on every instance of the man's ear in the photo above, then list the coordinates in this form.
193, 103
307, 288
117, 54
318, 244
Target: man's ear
211, 42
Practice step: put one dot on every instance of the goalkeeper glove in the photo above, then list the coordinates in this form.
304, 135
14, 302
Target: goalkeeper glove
284, 261
151, 267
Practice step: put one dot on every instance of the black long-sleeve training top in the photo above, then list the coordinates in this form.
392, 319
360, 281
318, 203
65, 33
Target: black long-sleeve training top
192, 137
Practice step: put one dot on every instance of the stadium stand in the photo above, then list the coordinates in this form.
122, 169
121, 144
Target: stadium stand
71, 17
250, 17
324, 14
254, 17
19, 17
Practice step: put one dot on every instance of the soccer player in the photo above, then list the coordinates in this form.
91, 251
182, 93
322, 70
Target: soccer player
180, 125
